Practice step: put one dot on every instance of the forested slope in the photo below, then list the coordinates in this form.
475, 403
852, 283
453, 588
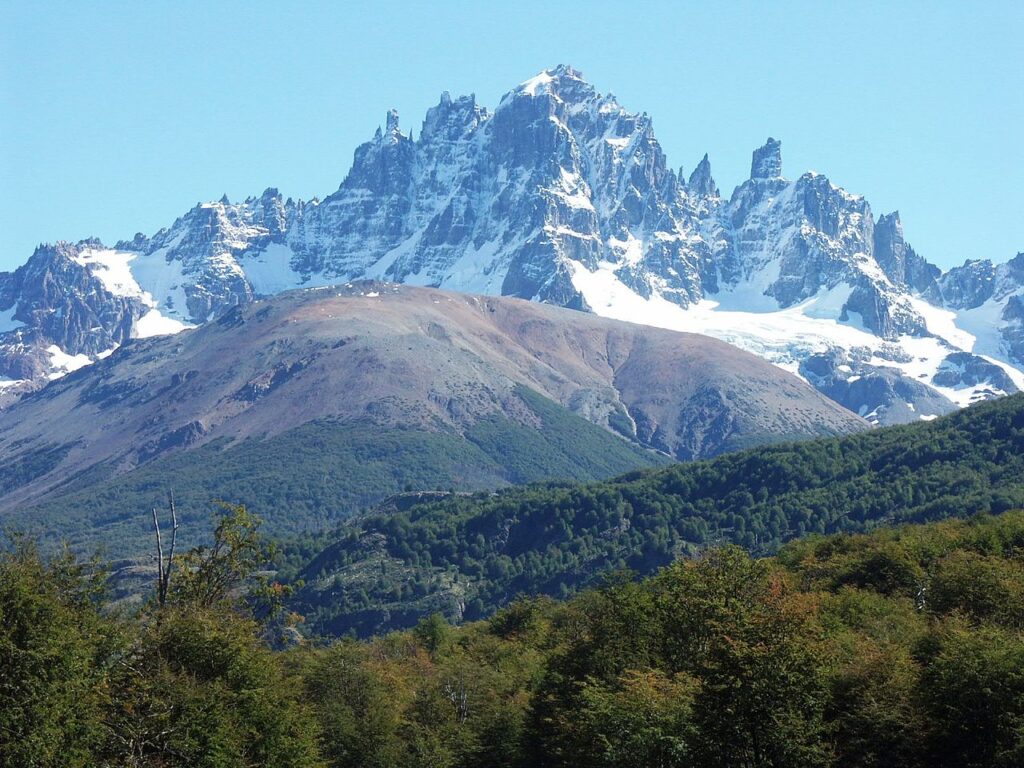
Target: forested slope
900, 648
467, 555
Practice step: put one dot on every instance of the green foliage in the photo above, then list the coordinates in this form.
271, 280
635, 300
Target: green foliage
200, 689
641, 719
972, 692
188, 683
29, 466
56, 658
727, 620
393, 703
207, 577
431, 632
723, 633
720, 660
717, 660
481, 550
562, 445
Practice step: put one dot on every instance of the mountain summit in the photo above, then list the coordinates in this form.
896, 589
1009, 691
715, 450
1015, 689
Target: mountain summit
559, 195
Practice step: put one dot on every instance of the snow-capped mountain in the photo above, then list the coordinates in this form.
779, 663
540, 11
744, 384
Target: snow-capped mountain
563, 196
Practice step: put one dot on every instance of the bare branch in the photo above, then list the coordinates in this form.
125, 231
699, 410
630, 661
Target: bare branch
159, 559
170, 554
164, 566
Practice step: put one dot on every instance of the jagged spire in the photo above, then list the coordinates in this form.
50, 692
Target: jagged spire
890, 220
701, 182
392, 121
767, 161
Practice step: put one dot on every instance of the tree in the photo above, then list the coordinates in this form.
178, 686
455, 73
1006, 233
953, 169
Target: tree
641, 720
731, 622
57, 654
164, 566
972, 690
199, 689
211, 576
198, 686
432, 631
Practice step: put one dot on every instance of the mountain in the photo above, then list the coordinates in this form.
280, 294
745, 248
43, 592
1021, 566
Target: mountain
466, 555
559, 195
317, 402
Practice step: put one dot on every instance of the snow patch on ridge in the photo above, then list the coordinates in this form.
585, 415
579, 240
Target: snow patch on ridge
163, 282
476, 271
270, 271
983, 324
155, 324
62, 363
117, 271
943, 323
784, 337
112, 269
531, 86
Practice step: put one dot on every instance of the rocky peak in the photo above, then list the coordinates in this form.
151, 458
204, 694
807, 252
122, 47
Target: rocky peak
452, 119
1013, 274
979, 280
383, 164
63, 302
1014, 309
898, 260
767, 161
391, 134
271, 212
566, 71
1013, 331
890, 247
969, 285
138, 243
701, 183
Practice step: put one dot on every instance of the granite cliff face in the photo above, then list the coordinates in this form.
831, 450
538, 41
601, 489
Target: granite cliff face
57, 314
563, 196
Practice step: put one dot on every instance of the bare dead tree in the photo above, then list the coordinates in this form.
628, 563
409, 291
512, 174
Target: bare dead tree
164, 567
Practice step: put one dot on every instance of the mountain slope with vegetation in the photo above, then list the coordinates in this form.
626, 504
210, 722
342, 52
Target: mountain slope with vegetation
313, 404
315, 474
467, 555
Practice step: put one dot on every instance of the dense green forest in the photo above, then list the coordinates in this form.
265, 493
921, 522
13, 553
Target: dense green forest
903, 647
317, 474
467, 555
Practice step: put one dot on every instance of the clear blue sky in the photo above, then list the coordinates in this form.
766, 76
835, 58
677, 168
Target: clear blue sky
117, 117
